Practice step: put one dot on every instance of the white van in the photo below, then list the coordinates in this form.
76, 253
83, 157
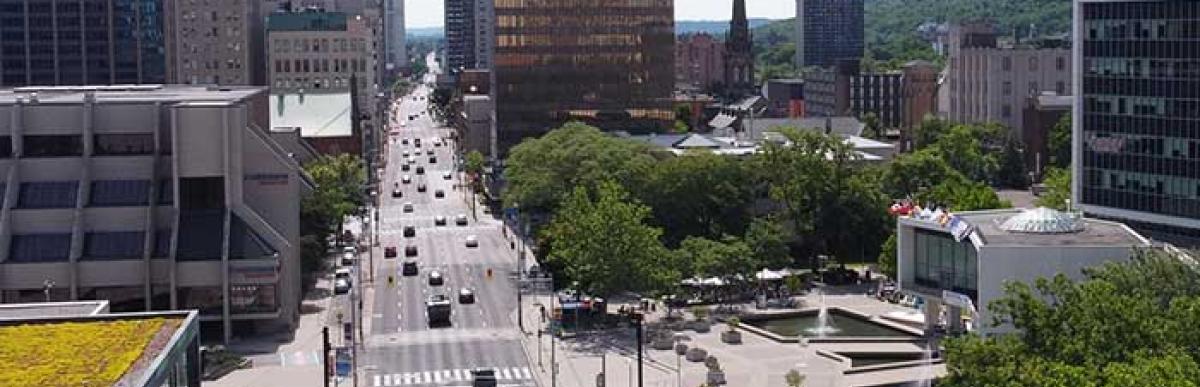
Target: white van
343, 273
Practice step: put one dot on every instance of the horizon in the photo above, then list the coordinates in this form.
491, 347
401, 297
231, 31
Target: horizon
423, 14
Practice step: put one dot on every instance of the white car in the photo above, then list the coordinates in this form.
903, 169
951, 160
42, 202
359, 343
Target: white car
472, 241
408, 207
411, 160
341, 286
447, 175
404, 154
406, 179
461, 220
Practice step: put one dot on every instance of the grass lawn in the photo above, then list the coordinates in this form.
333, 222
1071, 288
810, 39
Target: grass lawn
72, 353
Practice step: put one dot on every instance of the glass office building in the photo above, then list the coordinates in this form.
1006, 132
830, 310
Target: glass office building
46, 42
1137, 122
828, 31
608, 63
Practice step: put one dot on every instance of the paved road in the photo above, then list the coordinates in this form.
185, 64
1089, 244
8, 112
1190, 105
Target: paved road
403, 350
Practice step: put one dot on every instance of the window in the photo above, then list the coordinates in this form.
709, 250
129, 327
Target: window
49, 194
202, 193
162, 243
166, 191
123, 144
1006, 111
1060, 87
113, 245
40, 248
1006, 64
1060, 63
1006, 88
52, 146
1033, 64
117, 193
5, 147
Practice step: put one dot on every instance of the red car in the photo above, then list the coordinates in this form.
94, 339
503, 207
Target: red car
389, 252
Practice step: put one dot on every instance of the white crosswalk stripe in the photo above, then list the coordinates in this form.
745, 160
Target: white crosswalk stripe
446, 376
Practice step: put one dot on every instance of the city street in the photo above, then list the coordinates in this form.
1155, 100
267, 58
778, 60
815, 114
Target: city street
402, 349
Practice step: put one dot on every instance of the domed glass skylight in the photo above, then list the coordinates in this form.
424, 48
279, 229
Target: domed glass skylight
1043, 220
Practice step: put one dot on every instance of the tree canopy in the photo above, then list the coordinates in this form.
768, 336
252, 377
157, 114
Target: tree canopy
1125, 324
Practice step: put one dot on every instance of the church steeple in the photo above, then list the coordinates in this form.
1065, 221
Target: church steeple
739, 60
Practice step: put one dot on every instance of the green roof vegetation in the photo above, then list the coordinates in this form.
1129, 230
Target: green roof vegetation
73, 353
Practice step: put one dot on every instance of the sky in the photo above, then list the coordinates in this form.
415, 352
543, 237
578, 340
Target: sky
428, 13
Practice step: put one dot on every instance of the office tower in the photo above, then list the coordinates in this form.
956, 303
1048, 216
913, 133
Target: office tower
739, 59
699, 62
46, 42
396, 52
468, 34
608, 63
151, 197
1137, 115
317, 51
828, 30
845, 90
219, 42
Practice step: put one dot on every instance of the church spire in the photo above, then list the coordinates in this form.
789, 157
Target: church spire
739, 61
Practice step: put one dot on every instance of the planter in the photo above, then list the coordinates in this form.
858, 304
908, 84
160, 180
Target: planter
701, 326
696, 354
661, 344
712, 363
715, 377
731, 337
681, 349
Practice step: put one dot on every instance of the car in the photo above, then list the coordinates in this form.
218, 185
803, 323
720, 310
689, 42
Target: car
417, 144
410, 251
404, 154
484, 377
408, 207
436, 279
409, 268
421, 187
389, 252
420, 170
406, 179
429, 152
439, 194
342, 274
472, 241
411, 160
405, 167
397, 193
466, 296
437, 142
461, 220
432, 160
347, 259
447, 175
410, 231
405, 142
439, 220
341, 286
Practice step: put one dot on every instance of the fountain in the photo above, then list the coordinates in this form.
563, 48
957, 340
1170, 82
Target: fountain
822, 327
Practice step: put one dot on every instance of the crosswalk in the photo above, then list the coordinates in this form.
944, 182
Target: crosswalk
447, 376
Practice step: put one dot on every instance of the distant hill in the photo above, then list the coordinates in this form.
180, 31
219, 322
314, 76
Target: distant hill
424, 32
711, 27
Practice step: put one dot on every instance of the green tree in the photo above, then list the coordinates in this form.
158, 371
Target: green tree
1011, 170
543, 171
729, 258
599, 240
929, 131
1124, 324
1059, 144
1058, 189
960, 194
873, 127
913, 173
338, 194
699, 194
767, 241
963, 149
887, 257
473, 163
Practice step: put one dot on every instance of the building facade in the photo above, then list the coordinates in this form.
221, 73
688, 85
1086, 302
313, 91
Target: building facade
1137, 116
699, 62
322, 51
844, 90
45, 42
394, 43
151, 197
989, 81
617, 57
828, 31
468, 31
219, 42
739, 57
1042, 114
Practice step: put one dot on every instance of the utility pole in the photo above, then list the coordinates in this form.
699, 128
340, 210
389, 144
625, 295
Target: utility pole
553, 363
325, 355
638, 319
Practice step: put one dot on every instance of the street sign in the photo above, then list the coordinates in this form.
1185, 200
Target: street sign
342, 362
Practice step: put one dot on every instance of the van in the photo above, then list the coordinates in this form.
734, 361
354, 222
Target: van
348, 259
343, 273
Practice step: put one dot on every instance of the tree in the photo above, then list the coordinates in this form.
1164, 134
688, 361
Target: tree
338, 194
960, 194
767, 241
913, 173
473, 163
729, 259
700, 194
963, 149
1011, 170
1059, 143
873, 128
599, 240
543, 171
794, 378
887, 257
929, 131
1058, 189
1123, 324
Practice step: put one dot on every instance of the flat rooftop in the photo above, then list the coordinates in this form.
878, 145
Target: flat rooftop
52, 309
127, 93
1094, 232
316, 114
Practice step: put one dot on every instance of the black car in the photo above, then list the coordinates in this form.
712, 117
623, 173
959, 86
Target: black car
466, 296
397, 193
439, 220
420, 170
410, 251
484, 377
439, 194
389, 252
436, 279
405, 167
410, 231
409, 268
421, 187
432, 160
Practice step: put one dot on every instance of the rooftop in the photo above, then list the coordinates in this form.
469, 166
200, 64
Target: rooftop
990, 229
53, 309
316, 114
126, 93
845, 126
306, 20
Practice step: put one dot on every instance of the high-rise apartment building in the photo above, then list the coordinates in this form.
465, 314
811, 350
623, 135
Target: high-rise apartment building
46, 42
468, 27
989, 80
827, 31
151, 197
219, 42
315, 51
739, 58
395, 48
1137, 115
699, 61
844, 90
605, 62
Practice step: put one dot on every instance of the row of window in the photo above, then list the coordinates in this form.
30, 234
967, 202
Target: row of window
320, 65
319, 45
1142, 68
104, 193
942, 263
99, 245
123, 144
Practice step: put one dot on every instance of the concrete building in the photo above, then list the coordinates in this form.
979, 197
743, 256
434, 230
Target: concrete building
172, 360
962, 261
44, 42
1136, 142
828, 31
324, 120
469, 36
989, 81
152, 197
699, 62
844, 90
620, 69
1042, 113
219, 42
739, 55
920, 89
394, 44
785, 98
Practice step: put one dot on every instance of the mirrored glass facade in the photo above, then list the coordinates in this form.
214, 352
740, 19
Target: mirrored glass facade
608, 63
1138, 129
48, 42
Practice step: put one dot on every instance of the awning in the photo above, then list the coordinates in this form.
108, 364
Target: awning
722, 121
